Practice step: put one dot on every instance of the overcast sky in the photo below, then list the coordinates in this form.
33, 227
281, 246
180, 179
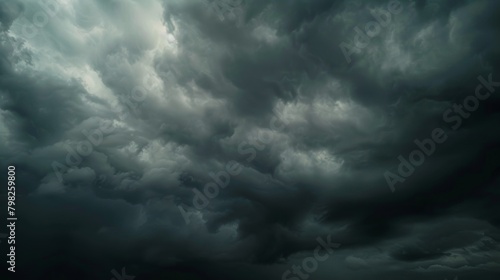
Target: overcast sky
185, 139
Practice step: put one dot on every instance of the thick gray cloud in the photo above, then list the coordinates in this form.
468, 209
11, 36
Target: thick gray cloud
116, 113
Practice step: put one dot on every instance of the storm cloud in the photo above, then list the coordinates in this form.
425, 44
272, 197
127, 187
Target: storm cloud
198, 139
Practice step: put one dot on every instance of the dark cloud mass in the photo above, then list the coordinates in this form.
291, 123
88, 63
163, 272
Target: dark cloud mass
125, 119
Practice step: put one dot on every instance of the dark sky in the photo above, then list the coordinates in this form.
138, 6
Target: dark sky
372, 124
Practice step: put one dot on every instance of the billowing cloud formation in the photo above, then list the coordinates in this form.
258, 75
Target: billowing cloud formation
198, 140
